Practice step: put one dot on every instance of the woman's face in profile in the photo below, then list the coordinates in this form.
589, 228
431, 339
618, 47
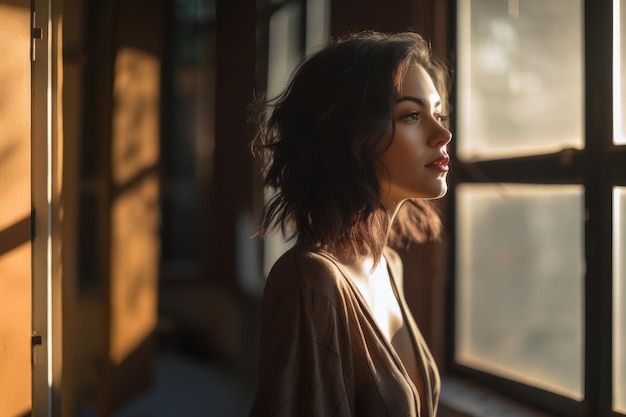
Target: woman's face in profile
416, 162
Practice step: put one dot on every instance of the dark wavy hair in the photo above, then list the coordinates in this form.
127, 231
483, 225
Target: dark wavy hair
321, 142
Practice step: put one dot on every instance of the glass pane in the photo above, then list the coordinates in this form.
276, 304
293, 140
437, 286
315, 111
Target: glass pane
519, 77
619, 73
285, 50
519, 259
317, 24
619, 299
188, 138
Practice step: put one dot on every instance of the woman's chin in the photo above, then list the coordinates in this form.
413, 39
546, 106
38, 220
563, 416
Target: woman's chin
439, 194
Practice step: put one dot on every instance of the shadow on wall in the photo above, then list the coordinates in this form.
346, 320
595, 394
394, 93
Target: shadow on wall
206, 359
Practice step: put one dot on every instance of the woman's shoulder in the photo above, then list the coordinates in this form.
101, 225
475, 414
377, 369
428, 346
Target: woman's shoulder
305, 268
304, 263
394, 263
392, 257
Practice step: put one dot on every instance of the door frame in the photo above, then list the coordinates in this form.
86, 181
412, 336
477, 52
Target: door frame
46, 200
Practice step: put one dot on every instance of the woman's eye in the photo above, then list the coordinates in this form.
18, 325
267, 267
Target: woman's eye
442, 118
412, 116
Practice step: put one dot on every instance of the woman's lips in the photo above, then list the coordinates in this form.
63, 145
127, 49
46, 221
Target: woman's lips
440, 164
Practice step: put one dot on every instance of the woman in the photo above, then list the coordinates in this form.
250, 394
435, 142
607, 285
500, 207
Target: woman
355, 143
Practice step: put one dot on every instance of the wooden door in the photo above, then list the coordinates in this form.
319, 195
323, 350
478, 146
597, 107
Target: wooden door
15, 208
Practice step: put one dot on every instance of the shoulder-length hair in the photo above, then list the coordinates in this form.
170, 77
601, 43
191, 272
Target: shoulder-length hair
322, 142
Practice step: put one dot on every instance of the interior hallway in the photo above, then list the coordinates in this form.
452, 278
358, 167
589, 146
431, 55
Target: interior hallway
188, 386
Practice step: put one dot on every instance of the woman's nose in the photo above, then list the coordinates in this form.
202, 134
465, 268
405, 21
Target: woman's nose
440, 136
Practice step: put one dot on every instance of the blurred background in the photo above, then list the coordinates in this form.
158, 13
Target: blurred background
137, 198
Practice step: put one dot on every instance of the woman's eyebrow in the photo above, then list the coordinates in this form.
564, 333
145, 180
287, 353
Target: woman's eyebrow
416, 100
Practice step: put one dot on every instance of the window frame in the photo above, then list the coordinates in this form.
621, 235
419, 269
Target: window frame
597, 168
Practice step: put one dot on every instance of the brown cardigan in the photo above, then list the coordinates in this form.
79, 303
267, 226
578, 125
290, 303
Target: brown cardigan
322, 353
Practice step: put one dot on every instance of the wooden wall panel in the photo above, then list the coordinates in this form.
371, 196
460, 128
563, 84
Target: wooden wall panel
232, 192
134, 200
15, 208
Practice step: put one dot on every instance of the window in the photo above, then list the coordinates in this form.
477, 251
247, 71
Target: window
295, 28
538, 203
520, 89
188, 137
619, 212
619, 298
521, 255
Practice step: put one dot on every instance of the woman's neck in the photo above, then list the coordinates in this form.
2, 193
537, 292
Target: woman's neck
350, 257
